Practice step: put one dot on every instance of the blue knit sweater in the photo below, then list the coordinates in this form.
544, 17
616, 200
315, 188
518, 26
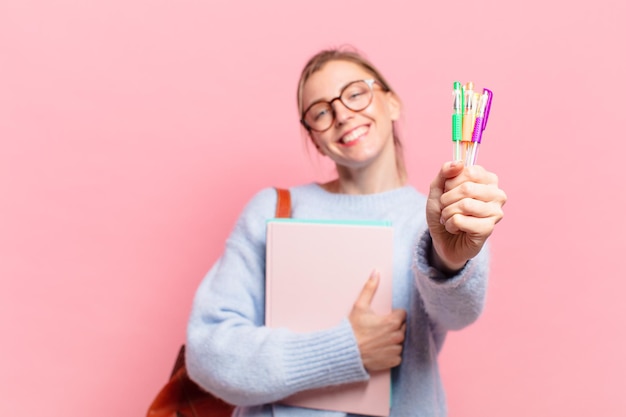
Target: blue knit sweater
231, 353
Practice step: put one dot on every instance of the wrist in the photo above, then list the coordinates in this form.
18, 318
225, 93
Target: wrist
447, 268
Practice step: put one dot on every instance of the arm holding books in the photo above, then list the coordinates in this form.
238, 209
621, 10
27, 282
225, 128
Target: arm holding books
229, 350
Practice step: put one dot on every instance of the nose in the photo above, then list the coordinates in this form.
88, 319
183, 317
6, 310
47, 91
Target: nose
342, 113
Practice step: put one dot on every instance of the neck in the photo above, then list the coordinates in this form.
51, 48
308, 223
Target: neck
376, 175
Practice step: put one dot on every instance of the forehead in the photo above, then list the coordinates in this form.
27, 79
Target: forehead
327, 82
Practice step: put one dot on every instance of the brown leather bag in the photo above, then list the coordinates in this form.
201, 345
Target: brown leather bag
181, 397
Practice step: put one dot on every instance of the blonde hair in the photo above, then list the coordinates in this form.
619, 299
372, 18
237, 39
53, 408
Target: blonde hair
349, 54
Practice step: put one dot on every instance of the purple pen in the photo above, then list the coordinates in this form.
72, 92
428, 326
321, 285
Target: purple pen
482, 115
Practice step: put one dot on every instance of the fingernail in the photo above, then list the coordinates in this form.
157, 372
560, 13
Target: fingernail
442, 221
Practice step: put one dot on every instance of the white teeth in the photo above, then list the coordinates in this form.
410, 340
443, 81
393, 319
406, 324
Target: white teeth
354, 134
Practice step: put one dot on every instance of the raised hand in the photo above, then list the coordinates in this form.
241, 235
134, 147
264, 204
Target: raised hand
379, 337
464, 205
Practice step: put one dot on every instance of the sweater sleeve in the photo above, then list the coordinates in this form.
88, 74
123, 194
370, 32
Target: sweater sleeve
232, 354
455, 302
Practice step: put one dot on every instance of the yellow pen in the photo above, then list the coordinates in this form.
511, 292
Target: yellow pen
469, 116
474, 117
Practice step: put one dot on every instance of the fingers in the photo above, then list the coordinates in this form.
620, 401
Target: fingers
474, 208
397, 335
473, 216
380, 339
473, 174
474, 226
472, 203
475, 191
391, 357
398, 316
366, 296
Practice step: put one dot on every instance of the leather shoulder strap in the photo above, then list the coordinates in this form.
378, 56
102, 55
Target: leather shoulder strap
283, 203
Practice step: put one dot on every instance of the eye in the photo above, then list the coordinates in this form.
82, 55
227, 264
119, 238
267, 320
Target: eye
319, 113
355, 92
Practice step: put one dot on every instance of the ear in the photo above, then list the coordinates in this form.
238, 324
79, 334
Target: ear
394, 106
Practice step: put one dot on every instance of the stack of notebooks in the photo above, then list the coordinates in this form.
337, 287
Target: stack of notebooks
315, 271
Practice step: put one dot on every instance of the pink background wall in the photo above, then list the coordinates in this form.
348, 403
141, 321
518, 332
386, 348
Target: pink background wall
134, 131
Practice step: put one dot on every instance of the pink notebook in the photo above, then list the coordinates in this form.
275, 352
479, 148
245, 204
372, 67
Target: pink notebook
314, 273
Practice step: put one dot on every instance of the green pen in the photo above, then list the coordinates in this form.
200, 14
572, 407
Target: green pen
457, 121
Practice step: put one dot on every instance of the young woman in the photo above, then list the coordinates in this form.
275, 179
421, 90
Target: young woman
440, 262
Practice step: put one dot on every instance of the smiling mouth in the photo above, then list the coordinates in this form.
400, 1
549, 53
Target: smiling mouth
354, 135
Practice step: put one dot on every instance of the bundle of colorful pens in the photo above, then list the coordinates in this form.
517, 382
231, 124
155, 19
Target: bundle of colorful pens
469, 119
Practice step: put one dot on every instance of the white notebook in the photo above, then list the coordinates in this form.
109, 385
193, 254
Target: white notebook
314, 273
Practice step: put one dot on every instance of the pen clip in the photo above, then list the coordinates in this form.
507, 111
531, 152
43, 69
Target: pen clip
489, 94
458, 98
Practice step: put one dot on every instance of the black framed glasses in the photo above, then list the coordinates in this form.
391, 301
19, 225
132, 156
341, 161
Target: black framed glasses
356, 96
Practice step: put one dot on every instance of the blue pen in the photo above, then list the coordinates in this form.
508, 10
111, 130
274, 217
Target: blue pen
479, 126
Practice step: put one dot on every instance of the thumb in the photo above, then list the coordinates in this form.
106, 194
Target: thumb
448, 170
366, 296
